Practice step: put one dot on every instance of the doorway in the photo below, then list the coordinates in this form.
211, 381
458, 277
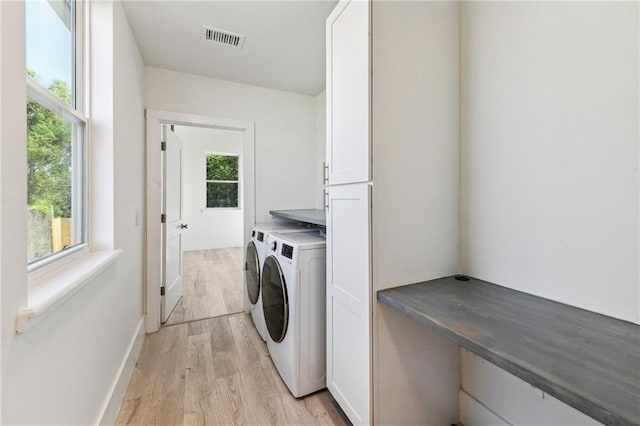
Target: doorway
211, 271
212, 212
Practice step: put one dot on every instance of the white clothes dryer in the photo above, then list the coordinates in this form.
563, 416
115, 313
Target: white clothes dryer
293, 301
254, 258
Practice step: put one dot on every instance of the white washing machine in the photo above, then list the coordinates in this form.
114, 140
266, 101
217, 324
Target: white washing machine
254, 258
293, 300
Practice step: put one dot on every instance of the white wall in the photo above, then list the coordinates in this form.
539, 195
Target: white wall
62, 370
512, 399
550, 188
13, 192
285, 131
550, 151
415, 145
208, 228
321, 146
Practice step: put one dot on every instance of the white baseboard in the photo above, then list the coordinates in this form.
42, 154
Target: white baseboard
111, 406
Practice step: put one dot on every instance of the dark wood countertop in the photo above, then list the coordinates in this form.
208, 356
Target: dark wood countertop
587, 360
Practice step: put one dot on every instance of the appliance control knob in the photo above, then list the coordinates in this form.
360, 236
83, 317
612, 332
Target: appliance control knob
274, 246
253, 234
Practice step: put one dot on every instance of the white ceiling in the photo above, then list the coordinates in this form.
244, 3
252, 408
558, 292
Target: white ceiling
284, 46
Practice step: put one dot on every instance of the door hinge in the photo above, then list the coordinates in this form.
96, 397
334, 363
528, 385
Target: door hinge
163, 218
163, 146
162, 291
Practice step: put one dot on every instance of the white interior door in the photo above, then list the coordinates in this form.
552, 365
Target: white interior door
348, 82
173, 226
349, 300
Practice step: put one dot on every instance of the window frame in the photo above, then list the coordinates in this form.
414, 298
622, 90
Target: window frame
75, 115
238, 182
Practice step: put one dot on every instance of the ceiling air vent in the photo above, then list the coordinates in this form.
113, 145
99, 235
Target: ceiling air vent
216, 35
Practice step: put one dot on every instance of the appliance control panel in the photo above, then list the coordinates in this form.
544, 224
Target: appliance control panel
287, 251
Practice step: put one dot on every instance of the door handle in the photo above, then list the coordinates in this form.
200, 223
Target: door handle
183, 226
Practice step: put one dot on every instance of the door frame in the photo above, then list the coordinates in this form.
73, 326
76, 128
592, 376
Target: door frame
155, 118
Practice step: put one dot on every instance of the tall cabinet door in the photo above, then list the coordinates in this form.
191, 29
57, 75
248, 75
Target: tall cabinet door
348, 83
349, 299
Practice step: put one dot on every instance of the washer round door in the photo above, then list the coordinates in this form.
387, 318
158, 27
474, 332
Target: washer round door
275, 303
252, 272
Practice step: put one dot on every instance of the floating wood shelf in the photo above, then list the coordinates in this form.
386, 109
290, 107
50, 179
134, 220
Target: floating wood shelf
587, 360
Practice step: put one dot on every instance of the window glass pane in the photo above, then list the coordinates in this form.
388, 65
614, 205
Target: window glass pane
54, 182
222, 194
222, 167
50, 46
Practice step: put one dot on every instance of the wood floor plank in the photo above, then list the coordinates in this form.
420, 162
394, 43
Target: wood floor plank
189, 308
231, 294
257, 373
168, 395
156, 389
198, 285
215, 303
199, 378
225, 403
198, 327
198, 307
215, 372
262, 405
147, 368
166, 409
324, 408
179, 313
248, 342
213, 285
225, 354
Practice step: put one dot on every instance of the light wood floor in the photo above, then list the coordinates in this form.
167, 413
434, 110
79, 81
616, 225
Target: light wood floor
212, 285
215, 372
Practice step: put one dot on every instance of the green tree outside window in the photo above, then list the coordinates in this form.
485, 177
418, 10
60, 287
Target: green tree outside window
49, 160
222, 180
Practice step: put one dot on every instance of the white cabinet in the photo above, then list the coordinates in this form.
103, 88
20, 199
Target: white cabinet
348, 82
348, 299
392, 217
349, 209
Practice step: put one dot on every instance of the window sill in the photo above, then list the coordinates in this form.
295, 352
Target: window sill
49, 291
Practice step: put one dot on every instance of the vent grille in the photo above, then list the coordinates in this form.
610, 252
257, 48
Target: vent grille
227, 38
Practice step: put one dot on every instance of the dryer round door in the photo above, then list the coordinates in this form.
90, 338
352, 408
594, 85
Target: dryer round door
275, 303
252, 272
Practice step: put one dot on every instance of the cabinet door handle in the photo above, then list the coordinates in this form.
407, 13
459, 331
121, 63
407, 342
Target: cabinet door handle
325, 172
326, 200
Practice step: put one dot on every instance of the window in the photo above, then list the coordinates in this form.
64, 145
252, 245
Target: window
56, 130
223, 186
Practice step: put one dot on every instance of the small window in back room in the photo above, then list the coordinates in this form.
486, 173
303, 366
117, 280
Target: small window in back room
222, 181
